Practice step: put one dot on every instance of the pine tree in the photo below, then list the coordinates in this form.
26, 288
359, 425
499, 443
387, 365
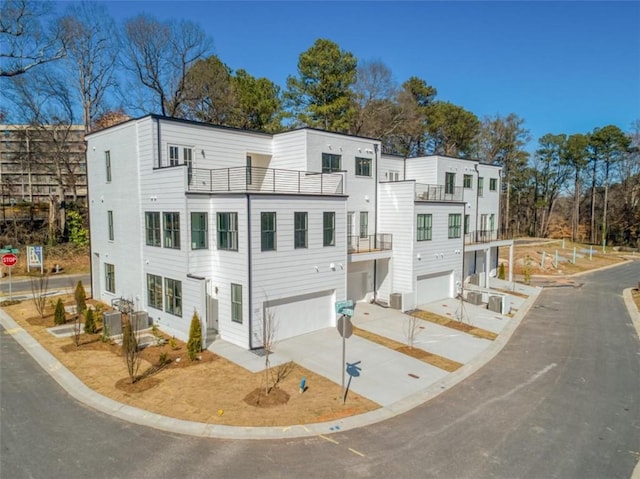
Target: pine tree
80, 297
58, 315
194, 345
89, 322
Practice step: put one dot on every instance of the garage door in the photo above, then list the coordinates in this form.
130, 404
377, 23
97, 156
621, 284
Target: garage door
301, 314
432, 287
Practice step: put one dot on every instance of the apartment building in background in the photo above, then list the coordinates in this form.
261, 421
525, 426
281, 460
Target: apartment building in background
38, 163
242, 226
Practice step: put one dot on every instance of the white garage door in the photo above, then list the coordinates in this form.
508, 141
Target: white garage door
301, 314
432, 287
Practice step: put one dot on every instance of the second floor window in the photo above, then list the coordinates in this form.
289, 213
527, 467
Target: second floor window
364, 224
228, 231
198, 230
330, 162
454, 225
480, 185
424, 227
300, 227
172, 230
328, 228
363, 166
449, 183
268, 231
152, 228
493, 184
174, 155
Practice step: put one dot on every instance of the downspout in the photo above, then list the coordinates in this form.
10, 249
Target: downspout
477, 196
86, 159
249, 280
159, 144
375, 224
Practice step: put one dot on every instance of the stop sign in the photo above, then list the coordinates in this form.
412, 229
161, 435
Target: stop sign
9, 259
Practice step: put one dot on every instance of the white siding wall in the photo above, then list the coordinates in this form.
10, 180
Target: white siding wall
395, 213
289, 272
442, 253
290, 151
120, 196
489, 202
391, 163
423, 170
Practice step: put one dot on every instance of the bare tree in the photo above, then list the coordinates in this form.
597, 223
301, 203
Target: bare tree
269, 338
39, 285
90, 38
411, 329
130, 347
159, 56
24, 41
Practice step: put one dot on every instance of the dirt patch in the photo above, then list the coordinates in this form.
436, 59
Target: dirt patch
259, 398
417, 353
457, 325
635, 294
210, 390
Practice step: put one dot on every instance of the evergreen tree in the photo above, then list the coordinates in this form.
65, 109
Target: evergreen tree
80, 297
58, 315
194, 345
89, 322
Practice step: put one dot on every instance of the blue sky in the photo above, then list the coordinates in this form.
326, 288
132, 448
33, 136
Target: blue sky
565, 67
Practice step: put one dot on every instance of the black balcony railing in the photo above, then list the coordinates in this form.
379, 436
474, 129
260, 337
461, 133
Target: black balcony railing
486, 236
264, 180
369, 244
438, 192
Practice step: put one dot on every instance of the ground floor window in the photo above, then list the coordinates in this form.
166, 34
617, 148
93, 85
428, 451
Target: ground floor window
110, 277
154, 291
173, 296
236, 303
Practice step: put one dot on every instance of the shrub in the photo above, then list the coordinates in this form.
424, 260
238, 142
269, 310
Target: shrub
194, 346
89, 322
80, 296
58, 315
501, 274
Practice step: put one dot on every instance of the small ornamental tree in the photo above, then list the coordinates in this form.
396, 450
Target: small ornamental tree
89, 322
58, 315
194, 345
130, 350
501, 273
80, 297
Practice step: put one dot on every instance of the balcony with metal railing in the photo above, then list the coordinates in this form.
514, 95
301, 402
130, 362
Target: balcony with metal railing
362, 248
486, 236
264, 180
438, 192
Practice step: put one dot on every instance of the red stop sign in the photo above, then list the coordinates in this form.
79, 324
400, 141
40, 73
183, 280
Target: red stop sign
9, 259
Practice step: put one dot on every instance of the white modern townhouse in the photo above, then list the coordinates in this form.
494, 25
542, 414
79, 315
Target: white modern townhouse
241, 226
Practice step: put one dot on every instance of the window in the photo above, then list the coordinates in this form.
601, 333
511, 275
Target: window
110, 224
300, 221
198, 230
364, 224
393, 175
328, 228
424, 227
363, 166
449, 183
268, 231
330, 162
350, 223
172, 230
107, 162
249, 170
466, 224
154, 291
152, 228
468, 179
236, 303
174, 155
228, 231
492, 222
454, 225
187, 154
493, 184
173, 296
110, 278
480, 185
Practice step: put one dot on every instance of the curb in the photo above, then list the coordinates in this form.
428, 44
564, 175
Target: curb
635, 319
78, 390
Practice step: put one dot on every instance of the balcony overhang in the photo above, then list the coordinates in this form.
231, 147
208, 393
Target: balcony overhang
367, 248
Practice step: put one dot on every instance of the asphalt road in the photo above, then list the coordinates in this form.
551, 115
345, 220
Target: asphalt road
22, 285
562, 400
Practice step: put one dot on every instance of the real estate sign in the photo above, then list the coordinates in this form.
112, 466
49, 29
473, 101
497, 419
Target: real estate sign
34, 258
